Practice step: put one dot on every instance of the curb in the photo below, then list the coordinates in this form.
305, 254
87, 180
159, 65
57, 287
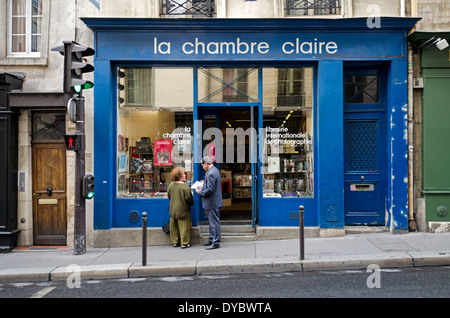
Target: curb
185, 268
37, 274
223, 267
359, 262
261, 265
91, 272
430, 258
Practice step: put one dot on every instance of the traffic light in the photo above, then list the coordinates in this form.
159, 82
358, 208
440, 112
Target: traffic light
88, 186
74, 142
121, 86
75, 67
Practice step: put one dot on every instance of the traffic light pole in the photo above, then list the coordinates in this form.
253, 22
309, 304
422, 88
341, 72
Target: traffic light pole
74, 67
79, 246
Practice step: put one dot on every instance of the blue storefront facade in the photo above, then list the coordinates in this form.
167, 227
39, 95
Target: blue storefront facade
346, 162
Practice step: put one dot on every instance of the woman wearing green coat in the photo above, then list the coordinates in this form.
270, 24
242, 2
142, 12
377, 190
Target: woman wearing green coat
181, 199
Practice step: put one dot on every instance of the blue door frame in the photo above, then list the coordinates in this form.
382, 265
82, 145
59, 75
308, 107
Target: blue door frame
199, 173
201, 112
365, 150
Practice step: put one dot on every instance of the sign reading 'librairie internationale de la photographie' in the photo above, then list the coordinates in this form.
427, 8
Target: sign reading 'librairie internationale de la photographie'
264, 46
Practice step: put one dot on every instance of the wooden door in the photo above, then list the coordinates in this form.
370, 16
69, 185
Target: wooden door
49, 193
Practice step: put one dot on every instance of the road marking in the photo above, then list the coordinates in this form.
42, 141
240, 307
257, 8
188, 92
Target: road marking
390, 270
354, 271
21, 284
176, 279
132, 280
42, 292
216, 276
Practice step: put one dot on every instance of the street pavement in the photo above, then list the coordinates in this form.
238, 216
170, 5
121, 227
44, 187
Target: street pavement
353, 251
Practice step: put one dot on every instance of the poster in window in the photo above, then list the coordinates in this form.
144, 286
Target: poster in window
211, 148
273, 164
123, 163
163, 152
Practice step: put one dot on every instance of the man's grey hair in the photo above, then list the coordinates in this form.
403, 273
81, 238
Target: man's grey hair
207, 159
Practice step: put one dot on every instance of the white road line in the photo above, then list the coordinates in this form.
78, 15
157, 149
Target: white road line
132, 280
390, 270
42, 292
176, 279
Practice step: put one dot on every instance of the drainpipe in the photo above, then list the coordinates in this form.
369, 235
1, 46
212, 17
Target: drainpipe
75, 21
411, 221
413, 8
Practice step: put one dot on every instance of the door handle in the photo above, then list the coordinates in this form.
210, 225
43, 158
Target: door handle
49, 191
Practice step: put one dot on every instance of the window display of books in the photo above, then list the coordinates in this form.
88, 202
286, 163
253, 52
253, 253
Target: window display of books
242, 180
242, 186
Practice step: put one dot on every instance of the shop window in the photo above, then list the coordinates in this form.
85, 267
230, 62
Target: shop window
312, 7
287, 138
154, 129
227, 85
361, 89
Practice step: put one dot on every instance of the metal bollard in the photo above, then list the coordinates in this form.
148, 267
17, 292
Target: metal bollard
144, 238
302, 232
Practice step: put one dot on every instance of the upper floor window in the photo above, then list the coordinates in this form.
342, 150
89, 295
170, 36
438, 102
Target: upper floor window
26, 27
188, 8
312, 7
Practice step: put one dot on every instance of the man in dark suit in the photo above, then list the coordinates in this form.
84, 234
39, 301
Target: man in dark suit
211, 194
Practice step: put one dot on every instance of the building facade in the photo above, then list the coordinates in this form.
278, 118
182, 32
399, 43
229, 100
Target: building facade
299, 103
429, 78
36, 206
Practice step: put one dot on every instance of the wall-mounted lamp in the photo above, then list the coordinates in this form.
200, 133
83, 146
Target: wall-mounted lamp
441, 44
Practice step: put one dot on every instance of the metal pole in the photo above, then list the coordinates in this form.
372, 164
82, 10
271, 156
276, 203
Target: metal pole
144, 238
302, 232
79, 246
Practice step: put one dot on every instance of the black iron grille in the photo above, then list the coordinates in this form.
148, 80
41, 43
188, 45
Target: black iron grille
312, 7
193, 8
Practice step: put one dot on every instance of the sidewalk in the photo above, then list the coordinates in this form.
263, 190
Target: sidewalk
354, 251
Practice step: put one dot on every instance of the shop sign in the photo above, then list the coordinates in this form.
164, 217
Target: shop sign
263, 46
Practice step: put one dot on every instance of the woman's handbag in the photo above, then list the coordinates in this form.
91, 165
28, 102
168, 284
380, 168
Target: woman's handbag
166, 226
